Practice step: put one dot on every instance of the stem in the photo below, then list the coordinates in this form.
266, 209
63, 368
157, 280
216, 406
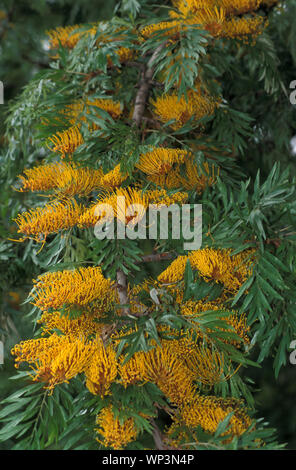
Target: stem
157, 436
140, 103
157, 257
122, 290
144, 87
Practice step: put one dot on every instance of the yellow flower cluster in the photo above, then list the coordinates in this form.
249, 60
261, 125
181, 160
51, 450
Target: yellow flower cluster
54, 360
208, 412
213, 265
180, 110
175, 271
128, 205
113, 179
207, 365
230, 7
161, 160
191, 178
160, 197
68, 141
40, 222
69, 36
113, 432
222, 18
170, 375
86, 324
73, 111
59, 358
132, 371
169, 28
242, 28
101, 370
161, 366
66, 179
237, 323
220, 266
79, 287
163, 167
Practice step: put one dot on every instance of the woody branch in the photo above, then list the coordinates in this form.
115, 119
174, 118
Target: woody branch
139, 109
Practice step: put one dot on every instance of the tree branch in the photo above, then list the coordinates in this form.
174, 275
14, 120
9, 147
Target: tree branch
157, 436
144, 86
122, 290
140, 103
155, 257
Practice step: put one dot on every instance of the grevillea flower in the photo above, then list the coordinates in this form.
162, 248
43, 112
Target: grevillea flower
132, 371
73, 111
230, 7
101, 370
206, 365
195, 179
222, 18
65, 179
220, 266
208, 412
79, 287
170, 374
160, 197
174, 272
54, 360
161, 160
213, 265
242, 28
114, 432
128, 205
67, 36
41, 178
113, 179
67, 142
70, 35
124, 54
237, 323
190, 177
169, 28
40, 222
84, 326
180, 110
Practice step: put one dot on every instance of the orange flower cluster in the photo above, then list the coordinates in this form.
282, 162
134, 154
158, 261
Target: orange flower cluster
69, 36
57, 359
40, 222
65, 179
180, 110
79, 287
221, 18
213, 265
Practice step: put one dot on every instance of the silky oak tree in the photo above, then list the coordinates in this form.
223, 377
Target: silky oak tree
139, 342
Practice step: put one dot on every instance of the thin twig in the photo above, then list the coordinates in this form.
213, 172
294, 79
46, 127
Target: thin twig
155, 257
157, 436
122, 290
